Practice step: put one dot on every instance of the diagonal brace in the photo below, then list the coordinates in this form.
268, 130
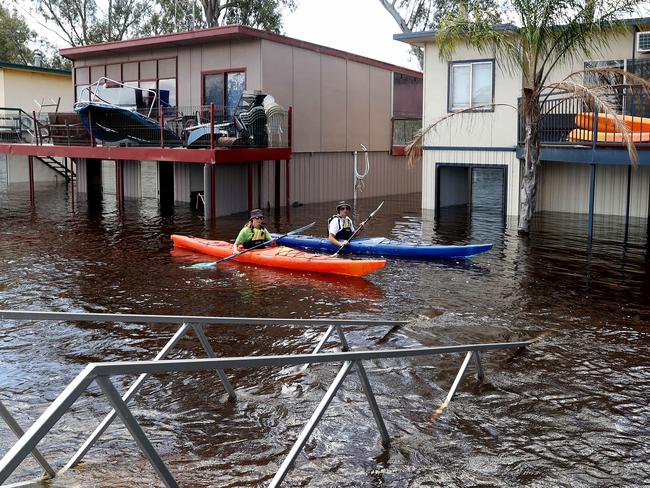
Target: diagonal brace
101, 428
13, 425
198, 330
311, 425
136, 431
367, 389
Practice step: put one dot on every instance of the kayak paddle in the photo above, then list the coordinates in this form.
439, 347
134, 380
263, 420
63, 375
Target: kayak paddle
214, 263
358, 229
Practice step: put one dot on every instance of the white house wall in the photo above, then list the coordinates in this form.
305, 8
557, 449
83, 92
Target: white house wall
488, 129
18, 171
564, 187
468, 157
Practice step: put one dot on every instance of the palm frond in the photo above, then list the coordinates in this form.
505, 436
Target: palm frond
599, 98
414, 149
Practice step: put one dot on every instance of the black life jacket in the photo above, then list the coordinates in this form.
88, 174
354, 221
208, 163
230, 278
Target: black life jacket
258, 238
345, 227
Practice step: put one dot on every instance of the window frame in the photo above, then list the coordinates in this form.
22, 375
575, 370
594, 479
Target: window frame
223, 72
471, 63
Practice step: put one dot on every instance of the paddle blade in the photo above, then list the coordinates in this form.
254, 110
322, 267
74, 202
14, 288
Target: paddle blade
203, 265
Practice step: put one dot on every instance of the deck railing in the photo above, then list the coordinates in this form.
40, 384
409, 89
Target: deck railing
101, 374
165, 126
565, 114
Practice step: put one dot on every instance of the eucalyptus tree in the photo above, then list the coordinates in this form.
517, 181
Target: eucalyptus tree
546, 34
83, 22
261, 14
421, 15
15, 35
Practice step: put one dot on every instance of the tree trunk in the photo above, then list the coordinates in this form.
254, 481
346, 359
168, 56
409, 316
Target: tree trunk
528, 190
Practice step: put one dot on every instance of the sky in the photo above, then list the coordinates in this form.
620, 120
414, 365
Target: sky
361, 27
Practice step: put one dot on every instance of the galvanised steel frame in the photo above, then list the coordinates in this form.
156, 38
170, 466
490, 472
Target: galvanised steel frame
101, 374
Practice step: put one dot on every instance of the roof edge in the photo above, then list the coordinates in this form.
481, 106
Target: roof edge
416, 38
205, 35
38, 69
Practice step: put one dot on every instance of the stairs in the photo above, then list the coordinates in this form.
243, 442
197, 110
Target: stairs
57, 166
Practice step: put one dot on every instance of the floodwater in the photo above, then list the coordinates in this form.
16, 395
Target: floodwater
571, 410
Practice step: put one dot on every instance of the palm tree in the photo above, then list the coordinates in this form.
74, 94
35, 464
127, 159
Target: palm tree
549, 33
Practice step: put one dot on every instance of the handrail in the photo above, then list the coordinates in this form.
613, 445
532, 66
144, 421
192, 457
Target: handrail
93, 95
101, 373
116, 317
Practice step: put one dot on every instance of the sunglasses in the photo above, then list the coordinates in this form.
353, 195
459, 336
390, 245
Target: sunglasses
258, 218
344, 208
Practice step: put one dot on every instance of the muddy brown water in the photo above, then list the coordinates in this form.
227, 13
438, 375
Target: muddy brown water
571, 410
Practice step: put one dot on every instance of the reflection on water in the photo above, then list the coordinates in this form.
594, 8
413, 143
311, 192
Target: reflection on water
569, 411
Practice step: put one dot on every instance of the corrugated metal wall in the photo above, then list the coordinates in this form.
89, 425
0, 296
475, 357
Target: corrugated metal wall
108, 177
182, 182
82, 176
132, 179
564, 187
232, 189
322, 177
467, 157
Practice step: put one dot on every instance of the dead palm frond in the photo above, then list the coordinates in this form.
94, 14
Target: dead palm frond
414, 149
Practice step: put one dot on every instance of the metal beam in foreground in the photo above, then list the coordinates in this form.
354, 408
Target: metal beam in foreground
57, 409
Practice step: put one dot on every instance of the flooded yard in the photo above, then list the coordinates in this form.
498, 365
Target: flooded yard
571, 410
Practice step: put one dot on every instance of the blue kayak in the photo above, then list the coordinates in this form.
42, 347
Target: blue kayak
379, 246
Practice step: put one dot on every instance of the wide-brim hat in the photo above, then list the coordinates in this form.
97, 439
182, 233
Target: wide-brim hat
340, 205
257, 213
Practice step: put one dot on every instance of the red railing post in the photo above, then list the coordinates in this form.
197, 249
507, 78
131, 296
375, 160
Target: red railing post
31, 179
161, 121
212, 126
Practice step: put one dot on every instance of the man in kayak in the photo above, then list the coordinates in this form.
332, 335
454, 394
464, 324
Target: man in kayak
340, 226
253, 234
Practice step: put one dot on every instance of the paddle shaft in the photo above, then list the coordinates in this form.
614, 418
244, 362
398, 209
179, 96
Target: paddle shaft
358, 229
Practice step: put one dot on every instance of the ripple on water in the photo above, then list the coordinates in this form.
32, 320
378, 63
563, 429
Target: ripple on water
569, 411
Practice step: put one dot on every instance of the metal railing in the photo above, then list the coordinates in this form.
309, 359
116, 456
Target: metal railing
168, 126
16, 125
572, 120
101, 374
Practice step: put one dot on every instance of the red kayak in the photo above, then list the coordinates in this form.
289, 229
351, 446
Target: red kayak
283, 257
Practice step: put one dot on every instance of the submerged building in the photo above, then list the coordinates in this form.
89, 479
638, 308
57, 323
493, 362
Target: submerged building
334, 103
26, 93
580, 172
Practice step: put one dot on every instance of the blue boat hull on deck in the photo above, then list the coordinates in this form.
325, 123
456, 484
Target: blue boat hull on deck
379, 246
111, 123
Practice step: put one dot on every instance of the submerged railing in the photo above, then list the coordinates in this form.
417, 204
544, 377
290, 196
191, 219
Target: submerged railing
101, 374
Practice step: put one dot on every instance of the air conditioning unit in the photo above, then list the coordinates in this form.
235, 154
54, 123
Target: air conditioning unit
643, 42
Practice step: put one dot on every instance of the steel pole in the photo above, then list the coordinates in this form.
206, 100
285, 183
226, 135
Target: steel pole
81, 452
136, 431
311, 425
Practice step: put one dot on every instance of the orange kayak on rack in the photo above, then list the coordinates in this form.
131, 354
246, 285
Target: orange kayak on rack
283, 257
606, 122
582, 135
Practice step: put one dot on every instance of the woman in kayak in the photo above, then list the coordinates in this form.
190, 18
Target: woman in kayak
253, 234
340, 226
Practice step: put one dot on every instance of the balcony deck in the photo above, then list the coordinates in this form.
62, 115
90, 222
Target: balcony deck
562, 113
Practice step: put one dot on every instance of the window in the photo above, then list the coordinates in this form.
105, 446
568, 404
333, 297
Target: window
470, 84
224, 90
